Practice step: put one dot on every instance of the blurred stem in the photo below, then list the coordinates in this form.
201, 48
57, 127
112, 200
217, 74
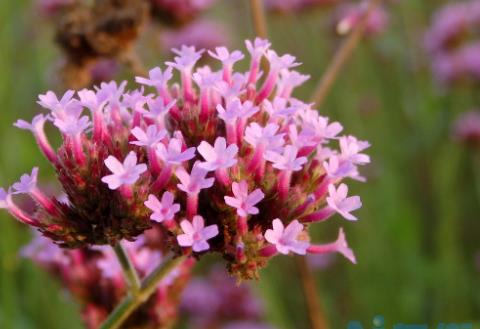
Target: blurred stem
128, 270
258, 16
342, 56
315, 311
131, 302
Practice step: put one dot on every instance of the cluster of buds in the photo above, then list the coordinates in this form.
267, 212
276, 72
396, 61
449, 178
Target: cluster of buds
453, 43
225, 161
94, 278
216, 301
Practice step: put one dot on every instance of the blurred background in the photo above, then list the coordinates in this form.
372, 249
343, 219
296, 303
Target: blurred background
417, 240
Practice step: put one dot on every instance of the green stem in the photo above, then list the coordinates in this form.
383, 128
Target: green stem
128, 270
131, 302
341, 57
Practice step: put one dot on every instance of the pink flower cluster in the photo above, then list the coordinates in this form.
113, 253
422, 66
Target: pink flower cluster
453, 43
225, 161
94, 278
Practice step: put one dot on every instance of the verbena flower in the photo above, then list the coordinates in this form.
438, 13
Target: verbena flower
224, 161
452, 42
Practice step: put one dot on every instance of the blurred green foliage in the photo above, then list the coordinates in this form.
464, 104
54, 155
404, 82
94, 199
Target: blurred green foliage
419, 227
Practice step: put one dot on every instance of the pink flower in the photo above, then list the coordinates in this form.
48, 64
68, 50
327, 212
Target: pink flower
35, 126
186, 59
218, 156
164, 210
71, 125
156, 78
196, 234
285, 239
27, 183
226, 57
338, 201
59, 108
195, 181
279, 63
340, 246
267, 136
243, 201
288, 160
157, 109
173, 154
350, 148
231, 112
258, 47
126, 173
148, 138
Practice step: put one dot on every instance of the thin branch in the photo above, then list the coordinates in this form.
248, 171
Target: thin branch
315, 311
342, 56
258, 15
128, 270
131, 302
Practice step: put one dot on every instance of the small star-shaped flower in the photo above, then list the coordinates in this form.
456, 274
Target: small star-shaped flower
126, 173
195, 234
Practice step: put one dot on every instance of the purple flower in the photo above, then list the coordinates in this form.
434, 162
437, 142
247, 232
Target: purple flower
156, 77
27, 183
173, 154
186, 59
279, 63
286, 239
148, 138
267, 136
231, 112
35, 126
226, 57
164, 210
286, 161
72, 125
66, 105
157, 109
195, 181
3, 198
338, 201
243, 201
258, 47
340, 246
126, 173
195, 234
350, 149
218, 156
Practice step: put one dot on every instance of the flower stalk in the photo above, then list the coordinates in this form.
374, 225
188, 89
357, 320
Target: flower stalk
132, 301
128, 269
258, 16
342, 56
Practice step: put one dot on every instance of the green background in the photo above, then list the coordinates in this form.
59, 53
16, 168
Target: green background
418, 231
